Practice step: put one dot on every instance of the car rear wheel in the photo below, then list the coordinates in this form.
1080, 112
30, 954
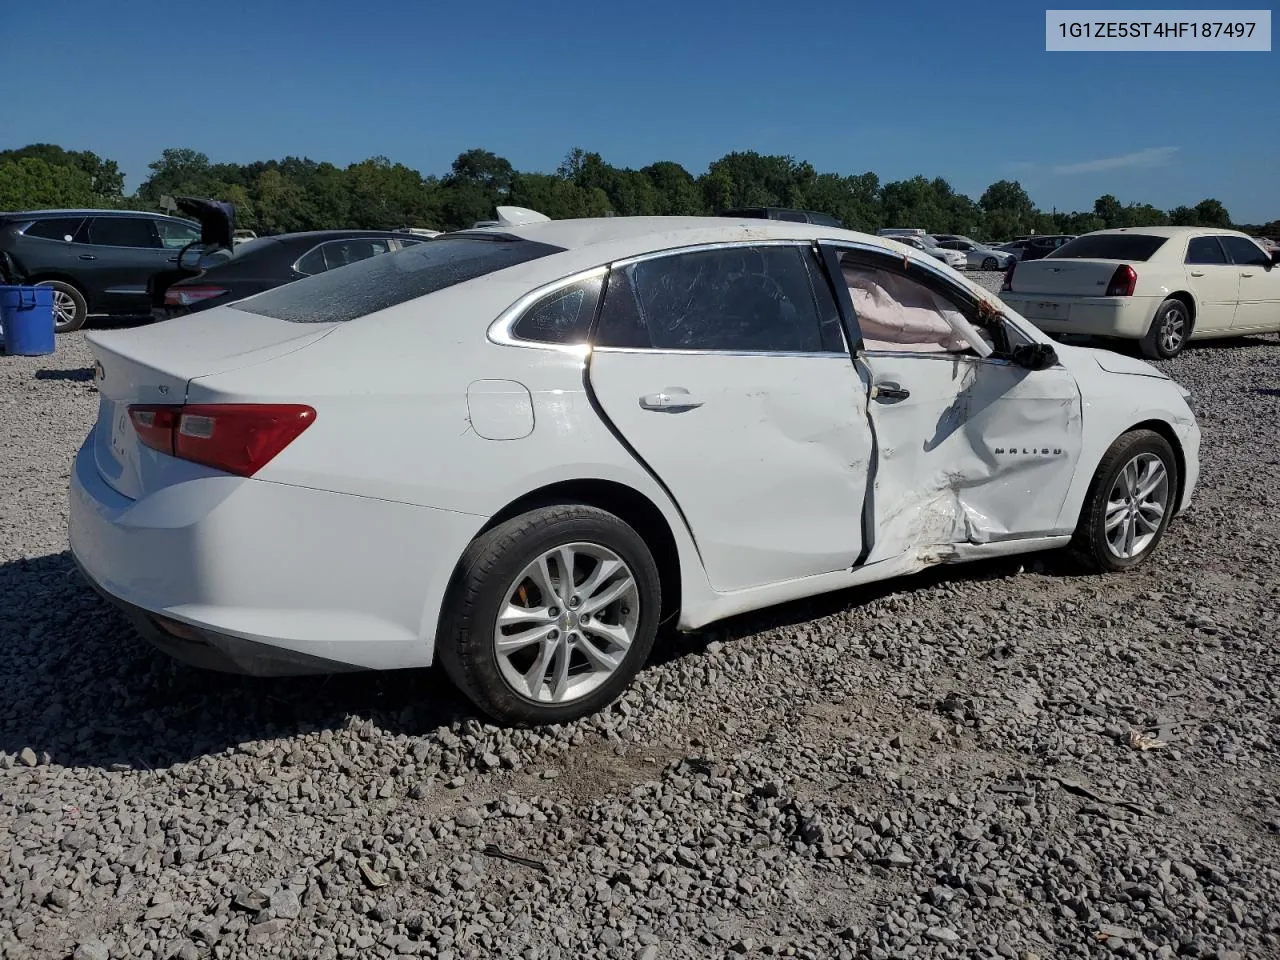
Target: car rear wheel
551, 615
1130, 502
1168, 332
70, 309
990, 264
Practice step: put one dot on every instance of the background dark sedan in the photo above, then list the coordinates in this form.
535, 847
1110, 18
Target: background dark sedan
271, 262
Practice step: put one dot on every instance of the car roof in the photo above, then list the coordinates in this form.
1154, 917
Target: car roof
1168, 231
87, 212
586, 244
319, 235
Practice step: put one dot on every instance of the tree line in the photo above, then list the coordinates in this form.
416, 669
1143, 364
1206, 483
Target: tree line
298, 193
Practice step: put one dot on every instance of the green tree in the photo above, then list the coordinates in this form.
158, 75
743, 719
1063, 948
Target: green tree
1211, 213
30, 183
1182, 217
1108, 209
676, 190
180, 171
106, 182
556, 197
1007, 209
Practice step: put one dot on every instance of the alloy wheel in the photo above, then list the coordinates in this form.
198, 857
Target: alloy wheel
1173, 329
567, 623
1136, 506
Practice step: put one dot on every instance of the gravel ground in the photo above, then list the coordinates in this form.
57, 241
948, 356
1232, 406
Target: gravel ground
937, 767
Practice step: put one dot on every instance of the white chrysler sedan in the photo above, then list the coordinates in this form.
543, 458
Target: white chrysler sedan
522, 449
1160, 286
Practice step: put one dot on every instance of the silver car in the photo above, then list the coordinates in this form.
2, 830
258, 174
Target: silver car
978, 256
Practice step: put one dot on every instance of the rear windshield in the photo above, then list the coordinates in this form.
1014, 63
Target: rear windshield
1136, 247
374, 284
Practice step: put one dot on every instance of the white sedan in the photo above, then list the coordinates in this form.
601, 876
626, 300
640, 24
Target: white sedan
1160, 286
978, 256
955, 259
521, 450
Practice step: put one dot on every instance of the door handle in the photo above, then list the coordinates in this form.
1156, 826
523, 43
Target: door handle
87, 256
889, 392
669, 399
1246, 274
1197, 273
172, 260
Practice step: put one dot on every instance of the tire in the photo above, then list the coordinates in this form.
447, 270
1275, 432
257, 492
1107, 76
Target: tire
495, 575
1168, 332
1128, 460
68, 302
990, 264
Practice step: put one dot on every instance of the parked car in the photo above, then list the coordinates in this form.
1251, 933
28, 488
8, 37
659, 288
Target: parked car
955, 259
519, 452
901, 232
783, 213
269, 262
1160, 286
98, 262
978, 256
1034, 248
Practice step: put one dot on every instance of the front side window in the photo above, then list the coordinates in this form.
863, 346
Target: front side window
58, 228
737, 300
1245, 252
896, 312
562, 316
1205, 250
175, 236
122, 232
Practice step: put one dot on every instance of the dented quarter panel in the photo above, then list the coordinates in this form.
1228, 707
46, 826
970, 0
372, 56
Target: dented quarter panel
982, 451
770, 470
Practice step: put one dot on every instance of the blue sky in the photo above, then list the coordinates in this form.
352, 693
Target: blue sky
963, 91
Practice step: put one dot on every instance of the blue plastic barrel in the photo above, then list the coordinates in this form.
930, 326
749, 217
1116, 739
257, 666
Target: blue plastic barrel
26, 320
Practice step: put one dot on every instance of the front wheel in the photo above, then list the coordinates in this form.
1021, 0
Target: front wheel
70, 309
990, 264
1130, 502
551, 615
1168, 332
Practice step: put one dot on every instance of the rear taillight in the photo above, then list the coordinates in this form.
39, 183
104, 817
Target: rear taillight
1123, 281
186, 296
1008, 277
239, 438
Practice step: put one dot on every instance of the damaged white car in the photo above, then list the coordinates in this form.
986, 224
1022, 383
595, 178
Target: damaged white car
521, 449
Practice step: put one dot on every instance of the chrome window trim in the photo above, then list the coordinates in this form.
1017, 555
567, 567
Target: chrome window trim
806, 354
499, 331
324, 243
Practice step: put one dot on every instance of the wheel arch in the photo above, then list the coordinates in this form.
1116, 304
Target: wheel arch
1188, 298
44, 276
628, 504
1165, 430
1161, 428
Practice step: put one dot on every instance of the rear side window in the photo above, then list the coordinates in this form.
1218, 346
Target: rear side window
562, 316
380, 282
1245, 252
1203, 250
342, 253
59, 228
737, 300
122, 232
1134, 247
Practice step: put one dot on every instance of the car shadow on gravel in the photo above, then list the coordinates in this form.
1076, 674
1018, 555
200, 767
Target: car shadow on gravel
76, 375
80, 689
78, 685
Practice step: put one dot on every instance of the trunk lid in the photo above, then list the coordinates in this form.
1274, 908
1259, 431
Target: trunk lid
156, 364
1065, 277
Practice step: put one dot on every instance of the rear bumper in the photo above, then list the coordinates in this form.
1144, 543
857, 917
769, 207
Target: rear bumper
1127, 317
257, 577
